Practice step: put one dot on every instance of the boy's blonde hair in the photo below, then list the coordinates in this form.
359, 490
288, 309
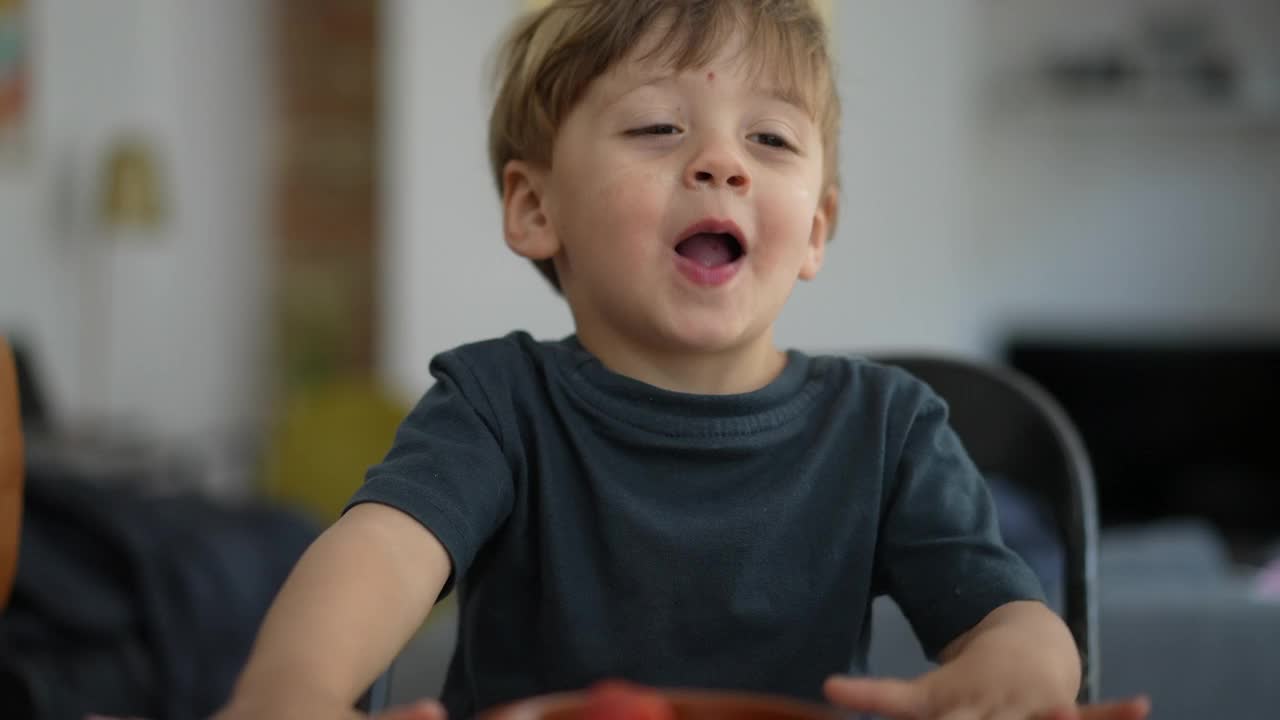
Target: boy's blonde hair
552, 56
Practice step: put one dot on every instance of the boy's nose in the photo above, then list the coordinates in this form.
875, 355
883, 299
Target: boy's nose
716, 166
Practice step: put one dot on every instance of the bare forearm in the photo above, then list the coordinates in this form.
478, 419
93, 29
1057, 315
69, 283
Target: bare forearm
353, 600
1029, 640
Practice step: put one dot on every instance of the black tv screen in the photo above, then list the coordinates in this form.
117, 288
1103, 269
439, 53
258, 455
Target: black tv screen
1174, 429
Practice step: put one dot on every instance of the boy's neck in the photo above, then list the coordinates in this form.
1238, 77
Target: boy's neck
734, 371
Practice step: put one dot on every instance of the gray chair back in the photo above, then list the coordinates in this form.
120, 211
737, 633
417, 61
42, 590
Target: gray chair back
1012, 428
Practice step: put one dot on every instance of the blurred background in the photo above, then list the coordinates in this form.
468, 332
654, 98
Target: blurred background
234, 232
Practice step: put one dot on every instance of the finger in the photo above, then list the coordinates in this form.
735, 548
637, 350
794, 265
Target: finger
1132, 709
894, 699
1136, 708
961, 714
421, 710
1013, 713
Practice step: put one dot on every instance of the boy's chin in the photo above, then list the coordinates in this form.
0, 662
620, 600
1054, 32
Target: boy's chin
712, 338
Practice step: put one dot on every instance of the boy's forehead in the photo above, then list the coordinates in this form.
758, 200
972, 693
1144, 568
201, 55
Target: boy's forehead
664, 49
635, 72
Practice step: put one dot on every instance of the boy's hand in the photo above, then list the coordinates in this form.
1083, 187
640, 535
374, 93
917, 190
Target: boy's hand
1018, 663
946, 695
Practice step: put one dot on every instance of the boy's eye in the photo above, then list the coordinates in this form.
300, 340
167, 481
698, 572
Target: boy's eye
772, 140
655, 130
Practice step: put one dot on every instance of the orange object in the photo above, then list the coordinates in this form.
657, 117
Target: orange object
621, 700
11, 472
684, 704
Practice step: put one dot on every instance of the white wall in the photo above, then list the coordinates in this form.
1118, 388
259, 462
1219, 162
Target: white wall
448, 278
1124, 233
898, 272
167, 333
953, 227
1160, 222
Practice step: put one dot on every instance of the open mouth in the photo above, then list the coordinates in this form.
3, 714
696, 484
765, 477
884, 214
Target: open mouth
712, 248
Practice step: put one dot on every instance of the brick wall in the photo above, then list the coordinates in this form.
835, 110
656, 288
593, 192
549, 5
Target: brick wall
326, 186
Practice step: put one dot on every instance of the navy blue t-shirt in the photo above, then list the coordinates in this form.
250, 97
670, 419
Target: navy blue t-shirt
602, 527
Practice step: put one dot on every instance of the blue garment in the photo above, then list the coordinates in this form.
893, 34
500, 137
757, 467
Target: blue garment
136, 605
601, 527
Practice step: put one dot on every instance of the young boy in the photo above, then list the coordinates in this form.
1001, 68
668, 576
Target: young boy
666, 496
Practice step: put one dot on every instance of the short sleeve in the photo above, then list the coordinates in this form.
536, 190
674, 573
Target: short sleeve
939, 554
446, 467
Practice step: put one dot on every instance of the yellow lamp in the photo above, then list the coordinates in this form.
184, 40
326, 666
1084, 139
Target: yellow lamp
132, 195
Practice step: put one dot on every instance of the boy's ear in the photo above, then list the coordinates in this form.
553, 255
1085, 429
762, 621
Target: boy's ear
824, 222
525, 222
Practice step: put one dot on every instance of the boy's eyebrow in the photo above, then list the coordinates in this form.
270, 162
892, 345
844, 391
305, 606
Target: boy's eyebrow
788, 96
635, 83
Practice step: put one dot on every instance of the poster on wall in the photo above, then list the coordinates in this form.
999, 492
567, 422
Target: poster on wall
15, 57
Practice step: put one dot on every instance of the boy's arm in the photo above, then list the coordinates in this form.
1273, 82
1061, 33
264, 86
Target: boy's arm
973, 603
1019, 662
354, 599
1024, 623
1023, 641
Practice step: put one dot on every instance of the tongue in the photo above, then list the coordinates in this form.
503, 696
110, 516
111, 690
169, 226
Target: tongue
708, 250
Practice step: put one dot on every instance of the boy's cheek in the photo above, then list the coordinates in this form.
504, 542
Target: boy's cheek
801, 191
628, 183
803, 194
629, 204
787, 209
629, 197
